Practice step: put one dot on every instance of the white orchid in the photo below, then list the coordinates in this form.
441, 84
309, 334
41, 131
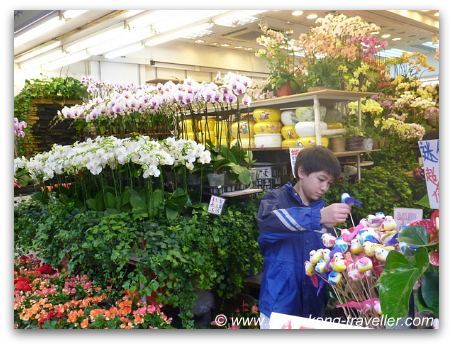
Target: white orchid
95, 155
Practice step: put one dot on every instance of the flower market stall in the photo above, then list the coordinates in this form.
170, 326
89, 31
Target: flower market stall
141, 212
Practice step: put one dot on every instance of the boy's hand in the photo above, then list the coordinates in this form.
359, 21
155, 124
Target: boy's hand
335, 213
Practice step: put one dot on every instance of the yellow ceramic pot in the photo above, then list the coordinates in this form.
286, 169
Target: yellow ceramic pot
334, 126
290, 143
267, 127
205, 124
189, 136
187, 125
245, 142
266, 114
222, 142
310, 141
245, 129
288, 132
221, 128
210, 136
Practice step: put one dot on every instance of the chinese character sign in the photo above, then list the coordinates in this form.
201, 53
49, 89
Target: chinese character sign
429, 150
403, 216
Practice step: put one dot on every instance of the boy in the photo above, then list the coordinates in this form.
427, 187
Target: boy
290, 220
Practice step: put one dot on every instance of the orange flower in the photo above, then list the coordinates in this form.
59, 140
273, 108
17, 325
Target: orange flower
138, 319
84, 323
72, 316
96, 312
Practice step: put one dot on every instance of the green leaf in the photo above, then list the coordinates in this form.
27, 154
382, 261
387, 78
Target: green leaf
91, 203
136, 201
414, 236
177, 200
125, 197
99, 202
420, 303
155, 202
424, 202
110, 200
171, 214
398, 279
430, 290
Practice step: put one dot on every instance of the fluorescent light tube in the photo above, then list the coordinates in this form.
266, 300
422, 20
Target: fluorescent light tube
234, 18
105, 36
67, 60
127, 38
42, 59
71, 14
431, 45
125, 50
36, 31
166, 20
187, 32
37, 51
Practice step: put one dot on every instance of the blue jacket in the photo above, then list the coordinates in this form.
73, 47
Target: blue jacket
286, 238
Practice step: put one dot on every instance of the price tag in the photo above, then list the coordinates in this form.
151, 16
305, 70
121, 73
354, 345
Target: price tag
216, 205
293, 152
403, 216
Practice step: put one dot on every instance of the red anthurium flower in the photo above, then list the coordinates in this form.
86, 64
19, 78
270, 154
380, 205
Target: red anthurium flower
434, 258
435, 219
430, 228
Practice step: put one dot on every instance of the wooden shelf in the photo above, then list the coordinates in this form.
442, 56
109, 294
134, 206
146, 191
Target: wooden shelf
241, 192
297, 100
337, 154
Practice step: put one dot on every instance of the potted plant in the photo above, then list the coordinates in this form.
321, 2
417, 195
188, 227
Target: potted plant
233, 161
340, 53
285, 73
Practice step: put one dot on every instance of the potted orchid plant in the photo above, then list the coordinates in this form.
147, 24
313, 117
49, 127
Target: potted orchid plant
285, 74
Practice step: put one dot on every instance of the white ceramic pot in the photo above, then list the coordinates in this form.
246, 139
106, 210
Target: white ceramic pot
307, 113
268, 140
288, 117
304, 129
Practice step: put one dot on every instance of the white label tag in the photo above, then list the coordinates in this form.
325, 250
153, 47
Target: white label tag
403, 216
293, 152
216, 205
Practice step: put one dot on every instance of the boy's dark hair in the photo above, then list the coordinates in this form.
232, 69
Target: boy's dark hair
316, 159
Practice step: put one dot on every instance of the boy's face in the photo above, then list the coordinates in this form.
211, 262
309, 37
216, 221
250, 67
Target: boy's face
314, 185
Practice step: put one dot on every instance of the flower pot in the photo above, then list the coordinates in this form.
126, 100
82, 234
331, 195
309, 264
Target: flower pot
367, 144
338, 144
354, 144
216, 180
284, 90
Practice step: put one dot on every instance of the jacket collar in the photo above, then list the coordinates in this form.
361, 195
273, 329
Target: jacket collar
294, 195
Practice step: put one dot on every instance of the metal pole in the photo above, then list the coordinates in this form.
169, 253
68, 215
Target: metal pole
317, 119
